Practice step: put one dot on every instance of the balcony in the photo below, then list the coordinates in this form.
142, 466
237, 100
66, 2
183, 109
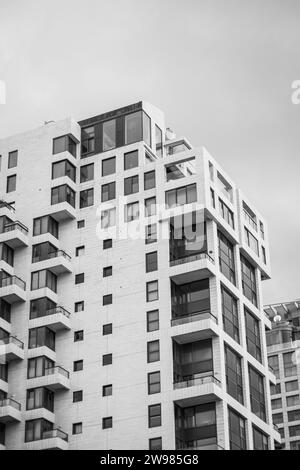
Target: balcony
51, 440
7, 210
192, 268
56, 319
10, 410
195, 446
197, 389
13, 289
190, 259
55, 378
59, 262
11, 349
194, 327
15, 235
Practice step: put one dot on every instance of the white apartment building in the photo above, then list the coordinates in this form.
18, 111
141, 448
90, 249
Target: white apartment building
154, 339
283, 343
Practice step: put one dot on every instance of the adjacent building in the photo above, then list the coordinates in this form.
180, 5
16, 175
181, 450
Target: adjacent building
131, 309
284, 358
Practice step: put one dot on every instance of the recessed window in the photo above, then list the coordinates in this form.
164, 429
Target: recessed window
107, 390
80, 224
78, 336
133, 127
109, 166
180, 196
107, 329
79, 250
13, 159
153, 354
79, 278
131, 160
152, 291
79, 306
45, 224
87, 173
107, 244
107, 299
108, 218
87, 140
149, 180
77, 396
109, 135
77, 366
62, 193
151, 261
108, 191
107, 423
150, 234
86, 198
153, 382
131, 185
152, 320
107, 271
11, 183
155, 443
132, 211
106, 359
154, 415
150, 206
77, 428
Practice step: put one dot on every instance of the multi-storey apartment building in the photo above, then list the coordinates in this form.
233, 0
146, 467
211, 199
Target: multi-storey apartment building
115, 340
283, 343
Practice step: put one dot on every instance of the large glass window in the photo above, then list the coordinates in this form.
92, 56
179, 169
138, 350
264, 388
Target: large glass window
249, 281
87, 140
237, 431
158, 141
45, 224
40, 397
6, 254
43, 278
41, 307
226, 258
253, 335
5, 310
86, 198
87, 173
63, 193
36, 429
41, 336
37, 366
65, 143
109, 135
260, 440
230, 314
257, 393
63, 168
43, 251
180, 196
133, 127
234, 377
146, 129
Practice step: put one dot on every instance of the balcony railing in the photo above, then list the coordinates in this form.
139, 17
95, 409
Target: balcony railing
16, 226
189, 259
12, 280
10, 402
195, 446
192, 380
52, 311
53, 433
12, 340
8, 206
57, 370
191, 317
51, 255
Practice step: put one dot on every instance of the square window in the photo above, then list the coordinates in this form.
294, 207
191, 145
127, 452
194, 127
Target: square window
80, 224
151, 261
77, 396
108, 166
107, 423
107, 329
149, 180
107, 390
153, 354
87, 173
78, 336
153, 383
131, 185
11, 183
107, 271
79, 278
77, 366
151, 234
152, 320
79, 250
108, 191
13, 159
152, 291
131, 160
155, 443
79, 306
107, 299
106, 359
154, 415
107, 243
77, 428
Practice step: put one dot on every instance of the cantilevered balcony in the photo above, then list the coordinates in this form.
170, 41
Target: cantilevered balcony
55, 439
62, 203
7, 210
56, 319
57, 261
15, 235
54, 378
10, 410
12, 289
11, 349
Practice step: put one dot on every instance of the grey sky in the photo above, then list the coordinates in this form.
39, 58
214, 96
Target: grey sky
220, 70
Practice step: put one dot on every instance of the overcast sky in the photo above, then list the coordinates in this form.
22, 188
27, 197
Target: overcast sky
220, 70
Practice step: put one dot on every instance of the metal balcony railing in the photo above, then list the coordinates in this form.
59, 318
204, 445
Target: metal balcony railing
12, 340
16, 226
53, 433
8, 206
57, 370
189, 259
191, 317
13, 280
51, 255
192, 380
52, 311
10, 402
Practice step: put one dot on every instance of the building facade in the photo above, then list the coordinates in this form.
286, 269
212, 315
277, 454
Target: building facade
131, 292
283, 343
